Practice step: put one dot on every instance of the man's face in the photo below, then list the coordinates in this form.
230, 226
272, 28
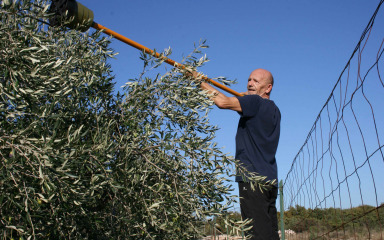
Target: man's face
258, 83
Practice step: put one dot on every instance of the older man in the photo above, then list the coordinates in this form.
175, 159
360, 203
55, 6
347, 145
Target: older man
257, 138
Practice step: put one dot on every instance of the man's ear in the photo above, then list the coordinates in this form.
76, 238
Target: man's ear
269, 89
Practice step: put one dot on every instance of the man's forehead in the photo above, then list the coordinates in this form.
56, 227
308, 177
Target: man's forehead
257, 75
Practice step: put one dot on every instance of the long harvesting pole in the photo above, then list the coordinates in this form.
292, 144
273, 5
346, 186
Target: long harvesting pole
75, 15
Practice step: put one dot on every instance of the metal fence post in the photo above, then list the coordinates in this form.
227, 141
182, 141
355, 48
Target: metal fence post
282, 230
214, 227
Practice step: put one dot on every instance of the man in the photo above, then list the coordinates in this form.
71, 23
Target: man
256, 144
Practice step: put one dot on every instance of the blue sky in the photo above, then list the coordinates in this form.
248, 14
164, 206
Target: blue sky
304, 43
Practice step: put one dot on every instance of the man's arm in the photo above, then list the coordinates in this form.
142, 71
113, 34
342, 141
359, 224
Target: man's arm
221, 100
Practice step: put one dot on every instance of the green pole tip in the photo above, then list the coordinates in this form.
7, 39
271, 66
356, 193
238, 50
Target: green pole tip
72, 14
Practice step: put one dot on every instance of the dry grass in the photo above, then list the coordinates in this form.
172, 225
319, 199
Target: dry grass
222, 237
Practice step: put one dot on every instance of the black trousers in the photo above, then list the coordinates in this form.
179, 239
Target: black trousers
261, 208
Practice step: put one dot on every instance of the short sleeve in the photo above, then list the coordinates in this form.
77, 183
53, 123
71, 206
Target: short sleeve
249, 105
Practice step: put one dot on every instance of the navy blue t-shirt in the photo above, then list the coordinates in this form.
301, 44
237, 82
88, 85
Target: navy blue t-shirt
258, 135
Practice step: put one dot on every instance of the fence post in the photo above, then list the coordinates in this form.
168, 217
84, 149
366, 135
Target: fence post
282, 230
214, 227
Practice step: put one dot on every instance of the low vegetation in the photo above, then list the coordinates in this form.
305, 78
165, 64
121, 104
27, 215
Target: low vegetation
363, 221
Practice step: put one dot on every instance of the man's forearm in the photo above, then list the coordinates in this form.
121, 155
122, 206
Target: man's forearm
220, 99
211, 90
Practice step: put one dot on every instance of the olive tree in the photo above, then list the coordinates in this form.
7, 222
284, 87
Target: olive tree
80, 161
